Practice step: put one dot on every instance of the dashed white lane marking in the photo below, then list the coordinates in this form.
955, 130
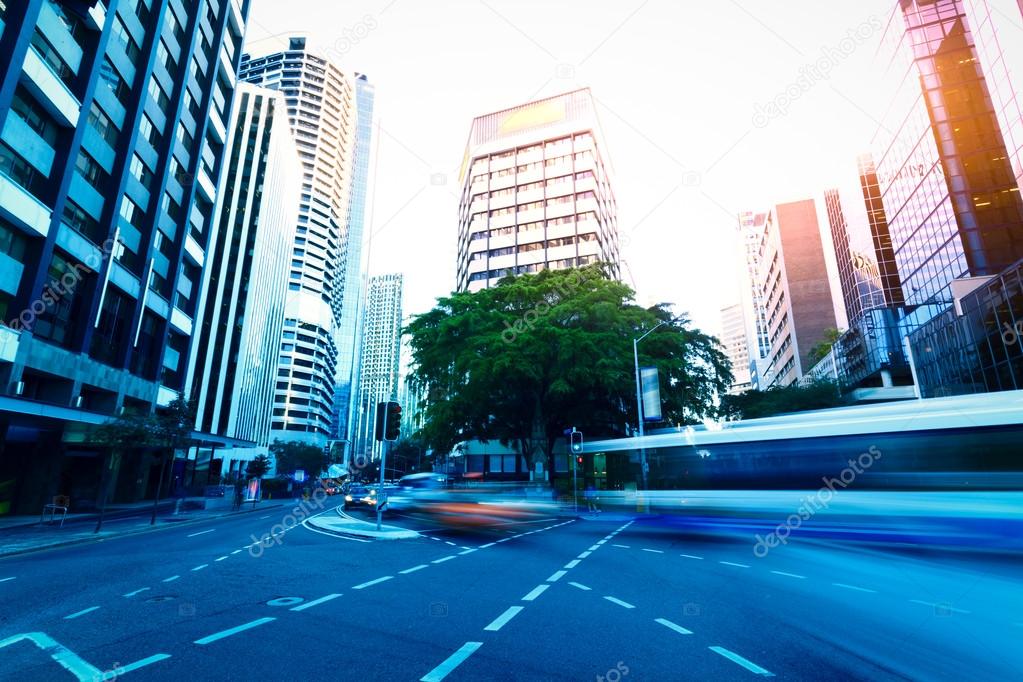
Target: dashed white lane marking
265, 517
673, 626
448, 542
464, 547
736, 658
501, 620
504, 539
443, 559
691, 556
489, 544
234, 631
413, 569
221, 558
467, 550
853, 587
556, 576
619, 602
171, 579
236, 551
3, 580
315, 602
200, 567
81, 613
132, 594
583, 555
593, 548
451, 662
939, 606
572, 564
732, 563
621, 546
654, 551
535, 592
790, 575
580, 586
202, 532
433, 538
373, 582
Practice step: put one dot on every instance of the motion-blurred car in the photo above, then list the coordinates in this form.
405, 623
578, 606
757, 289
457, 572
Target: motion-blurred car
361, 497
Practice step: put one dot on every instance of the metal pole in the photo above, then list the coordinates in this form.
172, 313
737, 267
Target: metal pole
575, 467
383, 464
639, 415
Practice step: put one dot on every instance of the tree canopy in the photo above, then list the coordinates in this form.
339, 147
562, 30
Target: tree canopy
820, 349
522, 361
781, 400
292, 455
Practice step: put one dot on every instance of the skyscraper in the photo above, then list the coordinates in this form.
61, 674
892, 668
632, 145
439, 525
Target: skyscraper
758, 342
233, 370
536, 192
321, 100
735, 342
381, 358
112, 143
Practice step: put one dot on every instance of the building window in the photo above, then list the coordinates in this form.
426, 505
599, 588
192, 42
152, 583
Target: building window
37, 118
158, 95
102, 124
76, 218
140, 171
91, 171
63, 296
112, 334
20, 170
52, 57
117, 85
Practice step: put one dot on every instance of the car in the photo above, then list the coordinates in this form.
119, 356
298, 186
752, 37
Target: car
361, 497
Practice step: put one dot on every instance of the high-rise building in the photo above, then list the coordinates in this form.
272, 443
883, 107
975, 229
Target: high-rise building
736, 345
758, 341
233, 370
111, 145
381, 358
537, 192
353, 266
321, 100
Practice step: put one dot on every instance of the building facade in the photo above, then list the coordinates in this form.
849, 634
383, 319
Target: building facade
112, 141
537, 192
233, 370
750, 231
736, 346
381, 359
321, 105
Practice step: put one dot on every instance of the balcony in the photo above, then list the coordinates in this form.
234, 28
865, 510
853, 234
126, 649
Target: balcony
49, 89
18, 205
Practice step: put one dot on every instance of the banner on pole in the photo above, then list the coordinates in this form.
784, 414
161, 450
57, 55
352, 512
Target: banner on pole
651, 394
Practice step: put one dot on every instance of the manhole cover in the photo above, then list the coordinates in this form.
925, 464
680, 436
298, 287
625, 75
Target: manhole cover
285, 601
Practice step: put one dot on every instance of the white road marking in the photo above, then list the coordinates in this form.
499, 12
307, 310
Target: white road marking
790, 575
853, 587
673, 626
464, 547
202, 532
81, 613
593, 548
72, 662
236, 551
413, 569
315, 602
450, 543
653, 551
452, 662
489, 544
234, 631
373, 582
443, 559
621, 546
3, 580
265, 517
120, 670
467, 551
572, 564
500, 621
171, 579
619, 602
556, 576
936, 606
580, 586
736, 658
535, 592
583, 555
600, 542
691, 556
732, 563
504, 539
200, 567
132, 594
221, 558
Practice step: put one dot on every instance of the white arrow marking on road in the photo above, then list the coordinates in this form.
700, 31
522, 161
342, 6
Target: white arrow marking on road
373, 582
500, 621
81, 613
316, 602
620, 602
452, 662
673, 626
535, 592
736, 658
132, 594
202, 532
233, 631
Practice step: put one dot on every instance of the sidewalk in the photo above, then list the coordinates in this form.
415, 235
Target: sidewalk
19, 535
345, 525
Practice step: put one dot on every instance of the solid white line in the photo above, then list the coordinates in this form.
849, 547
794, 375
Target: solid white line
853, 587
234, 631
580, 586
620, 602
736, 658
691, 556
443, 559
943, 606
621, 546
583, 555
452, 662
556, 576
120, 670
732, 563
413, 569
171, 579
572, 564
489, 544
500, 621
236, 551
132, 594
3, 580
790, 575
221, 558
673, 626
315, 602
654, 551
81, 613
200, 567
373, 582
504, 539
202, 532
536, 592
467, 551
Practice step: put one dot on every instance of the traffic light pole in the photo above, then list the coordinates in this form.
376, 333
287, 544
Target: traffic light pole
383, 468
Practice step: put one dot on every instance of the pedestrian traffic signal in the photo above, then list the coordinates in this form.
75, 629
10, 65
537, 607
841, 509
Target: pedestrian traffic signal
577, 441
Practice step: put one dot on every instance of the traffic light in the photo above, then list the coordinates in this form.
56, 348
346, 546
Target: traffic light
577, 441
388, 421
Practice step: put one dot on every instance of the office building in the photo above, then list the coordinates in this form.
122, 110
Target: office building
111, 145
736, 346
537, 192
381, 358
233, 370
750, 229
321, 103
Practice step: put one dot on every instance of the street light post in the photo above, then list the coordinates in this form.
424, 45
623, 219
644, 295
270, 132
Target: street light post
639, 400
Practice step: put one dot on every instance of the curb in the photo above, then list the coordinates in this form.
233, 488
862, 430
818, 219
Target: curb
399, 534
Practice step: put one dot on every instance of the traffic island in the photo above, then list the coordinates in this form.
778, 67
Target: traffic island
346, 526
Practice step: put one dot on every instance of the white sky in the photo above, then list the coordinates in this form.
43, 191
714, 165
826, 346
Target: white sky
676, 81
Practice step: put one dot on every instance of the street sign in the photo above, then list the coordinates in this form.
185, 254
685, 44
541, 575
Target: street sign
299, 476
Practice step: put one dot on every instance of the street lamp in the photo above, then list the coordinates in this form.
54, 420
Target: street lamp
639, 397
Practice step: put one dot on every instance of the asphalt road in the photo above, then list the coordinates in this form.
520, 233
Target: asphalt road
611, 597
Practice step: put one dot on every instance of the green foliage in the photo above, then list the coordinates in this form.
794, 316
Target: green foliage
169, 427
753, 404
292, 455
820, 349
520, 362
259, 466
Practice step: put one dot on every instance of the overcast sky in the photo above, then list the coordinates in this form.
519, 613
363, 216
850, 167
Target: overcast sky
682, 88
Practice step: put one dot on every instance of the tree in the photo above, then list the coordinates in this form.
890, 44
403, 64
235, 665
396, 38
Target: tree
819, 350
522, 361
292, 455
118, 436
170, 429
753, 404
259, 466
